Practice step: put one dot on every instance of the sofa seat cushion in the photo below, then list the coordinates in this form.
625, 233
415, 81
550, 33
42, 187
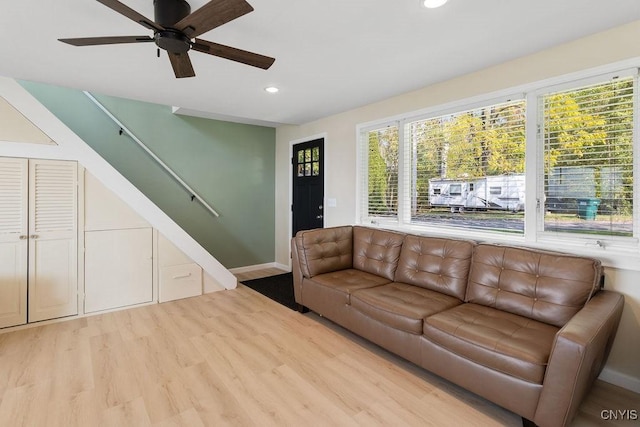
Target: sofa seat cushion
401, 306
348, 281
499, 340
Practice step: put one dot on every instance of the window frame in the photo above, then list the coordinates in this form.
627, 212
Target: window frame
620, 251
620, 243
362, 175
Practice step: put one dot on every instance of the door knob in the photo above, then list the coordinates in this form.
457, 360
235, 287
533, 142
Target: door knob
34, 236
319, 217
23, 237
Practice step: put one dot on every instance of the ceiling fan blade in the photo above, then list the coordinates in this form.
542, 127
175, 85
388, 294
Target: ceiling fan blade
93, 41
181, 64
131, 14
212, 15
233, 54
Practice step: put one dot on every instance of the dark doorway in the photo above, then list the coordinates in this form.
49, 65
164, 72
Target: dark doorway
308, 185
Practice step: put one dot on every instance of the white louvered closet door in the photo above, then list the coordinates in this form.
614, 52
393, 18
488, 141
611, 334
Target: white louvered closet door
13, 241
53, 194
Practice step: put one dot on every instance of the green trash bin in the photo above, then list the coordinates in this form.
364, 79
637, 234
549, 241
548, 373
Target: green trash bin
588, 208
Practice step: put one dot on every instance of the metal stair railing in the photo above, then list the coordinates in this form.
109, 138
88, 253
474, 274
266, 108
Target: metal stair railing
124, 129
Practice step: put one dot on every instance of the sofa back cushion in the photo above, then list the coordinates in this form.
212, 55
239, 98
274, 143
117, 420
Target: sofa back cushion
440, 265
544, 286
325, 250
376, 251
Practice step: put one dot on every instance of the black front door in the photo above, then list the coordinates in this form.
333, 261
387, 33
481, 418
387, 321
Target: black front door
308, 185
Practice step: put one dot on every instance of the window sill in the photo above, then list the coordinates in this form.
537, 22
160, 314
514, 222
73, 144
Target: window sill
624, 257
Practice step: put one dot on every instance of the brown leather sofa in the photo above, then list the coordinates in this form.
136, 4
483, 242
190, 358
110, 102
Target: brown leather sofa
526, 329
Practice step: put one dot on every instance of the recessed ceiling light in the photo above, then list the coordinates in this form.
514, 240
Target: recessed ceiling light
271, 89
431, 4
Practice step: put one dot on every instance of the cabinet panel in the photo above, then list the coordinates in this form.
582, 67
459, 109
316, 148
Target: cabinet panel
180, 281
52, 279
104, 210
13, 283
53, 284
17, 128
118, 268
13, 242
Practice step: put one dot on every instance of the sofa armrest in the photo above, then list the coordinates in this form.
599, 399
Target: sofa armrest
297, 272
579, 352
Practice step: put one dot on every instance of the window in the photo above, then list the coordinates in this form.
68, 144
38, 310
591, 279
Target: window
459, 159
382, 172
588, 159
463, 166
309, 162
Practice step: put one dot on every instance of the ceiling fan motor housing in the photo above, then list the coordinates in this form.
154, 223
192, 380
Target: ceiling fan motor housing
172, 41
169, 12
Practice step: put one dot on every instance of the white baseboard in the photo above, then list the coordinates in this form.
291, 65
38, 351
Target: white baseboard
282, 266
621, 380
255, 267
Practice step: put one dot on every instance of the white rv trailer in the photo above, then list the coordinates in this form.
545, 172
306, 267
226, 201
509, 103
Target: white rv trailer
500, 192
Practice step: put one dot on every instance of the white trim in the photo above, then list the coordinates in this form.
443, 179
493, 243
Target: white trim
256, 267
80, 236
72, 147
621, 380
362, 165
283, 266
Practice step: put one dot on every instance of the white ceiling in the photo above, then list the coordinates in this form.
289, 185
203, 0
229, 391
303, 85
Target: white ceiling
331, 55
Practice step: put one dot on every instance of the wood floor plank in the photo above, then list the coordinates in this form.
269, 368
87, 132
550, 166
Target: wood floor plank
233, 358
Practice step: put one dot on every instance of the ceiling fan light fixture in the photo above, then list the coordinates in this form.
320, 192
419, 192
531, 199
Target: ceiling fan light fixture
271, 89
432, 4
174, 27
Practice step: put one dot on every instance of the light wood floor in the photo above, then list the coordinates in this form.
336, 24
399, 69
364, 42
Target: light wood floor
231, 358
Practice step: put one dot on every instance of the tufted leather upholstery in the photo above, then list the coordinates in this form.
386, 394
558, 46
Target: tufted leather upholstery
441, 265
549, 287
324, 250
376, 251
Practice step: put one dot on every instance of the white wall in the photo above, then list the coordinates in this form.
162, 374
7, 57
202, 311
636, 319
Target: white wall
619, 44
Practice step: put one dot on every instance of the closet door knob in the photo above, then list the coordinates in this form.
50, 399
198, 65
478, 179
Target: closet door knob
34, 236
23, 237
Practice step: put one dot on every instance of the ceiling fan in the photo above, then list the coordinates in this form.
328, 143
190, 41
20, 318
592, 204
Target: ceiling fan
175, 30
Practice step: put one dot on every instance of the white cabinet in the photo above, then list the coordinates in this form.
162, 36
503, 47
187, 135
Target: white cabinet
180, 277
118, 268
180, 281
118, 257
38, 223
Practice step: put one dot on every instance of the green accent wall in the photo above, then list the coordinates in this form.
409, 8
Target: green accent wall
230, 165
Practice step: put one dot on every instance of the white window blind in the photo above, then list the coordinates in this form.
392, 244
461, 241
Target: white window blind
380, 154
470, 160
588, 158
